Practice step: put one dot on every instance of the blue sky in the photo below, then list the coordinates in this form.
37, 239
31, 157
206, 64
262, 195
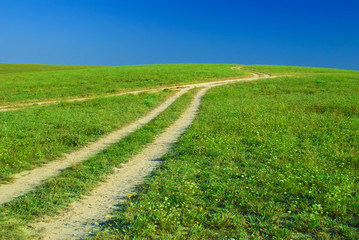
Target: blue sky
277, 32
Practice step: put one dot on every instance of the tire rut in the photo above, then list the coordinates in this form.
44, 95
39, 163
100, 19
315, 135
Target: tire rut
28, 180
83, 216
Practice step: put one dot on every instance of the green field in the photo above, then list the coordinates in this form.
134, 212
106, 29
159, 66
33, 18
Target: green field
36, 86
274, 159
268, 159
292, 70
6, 68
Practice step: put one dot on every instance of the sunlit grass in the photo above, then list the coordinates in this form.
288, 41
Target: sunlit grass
8, 68
274, 159
25, 87
294, 70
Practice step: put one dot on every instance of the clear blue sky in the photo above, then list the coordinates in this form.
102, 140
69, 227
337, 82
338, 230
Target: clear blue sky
284, 32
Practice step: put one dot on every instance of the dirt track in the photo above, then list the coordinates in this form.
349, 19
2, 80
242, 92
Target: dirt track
28, 180
83, 215
80, 219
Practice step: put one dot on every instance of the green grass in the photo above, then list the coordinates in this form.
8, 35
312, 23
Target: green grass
6, 68
274, 159
57, 193
33, 136
293, 70
25, 87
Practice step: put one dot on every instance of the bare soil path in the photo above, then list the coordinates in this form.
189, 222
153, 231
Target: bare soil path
83, 216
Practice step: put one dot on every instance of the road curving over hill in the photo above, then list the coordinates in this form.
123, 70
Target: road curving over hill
27, 181
84, 216
14, 107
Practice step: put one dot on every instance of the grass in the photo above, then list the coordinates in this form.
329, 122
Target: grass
272, 159
32, 136
57, 193
27, 87
293, 70
6, 68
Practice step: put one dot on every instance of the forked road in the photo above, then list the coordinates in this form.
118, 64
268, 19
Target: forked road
27, 181
82, 216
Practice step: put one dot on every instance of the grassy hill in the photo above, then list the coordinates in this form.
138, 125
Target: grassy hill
274, 159
36, 86
6, 68
269, 159
293, 70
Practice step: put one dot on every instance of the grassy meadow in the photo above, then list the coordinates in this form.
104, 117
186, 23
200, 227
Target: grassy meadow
268, 159
6, 68
293, 70
35, 86
271, 159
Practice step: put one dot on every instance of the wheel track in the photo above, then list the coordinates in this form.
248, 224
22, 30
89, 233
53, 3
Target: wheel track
83, 215
28, 180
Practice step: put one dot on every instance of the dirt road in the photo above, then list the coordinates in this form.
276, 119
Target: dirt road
84, 216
